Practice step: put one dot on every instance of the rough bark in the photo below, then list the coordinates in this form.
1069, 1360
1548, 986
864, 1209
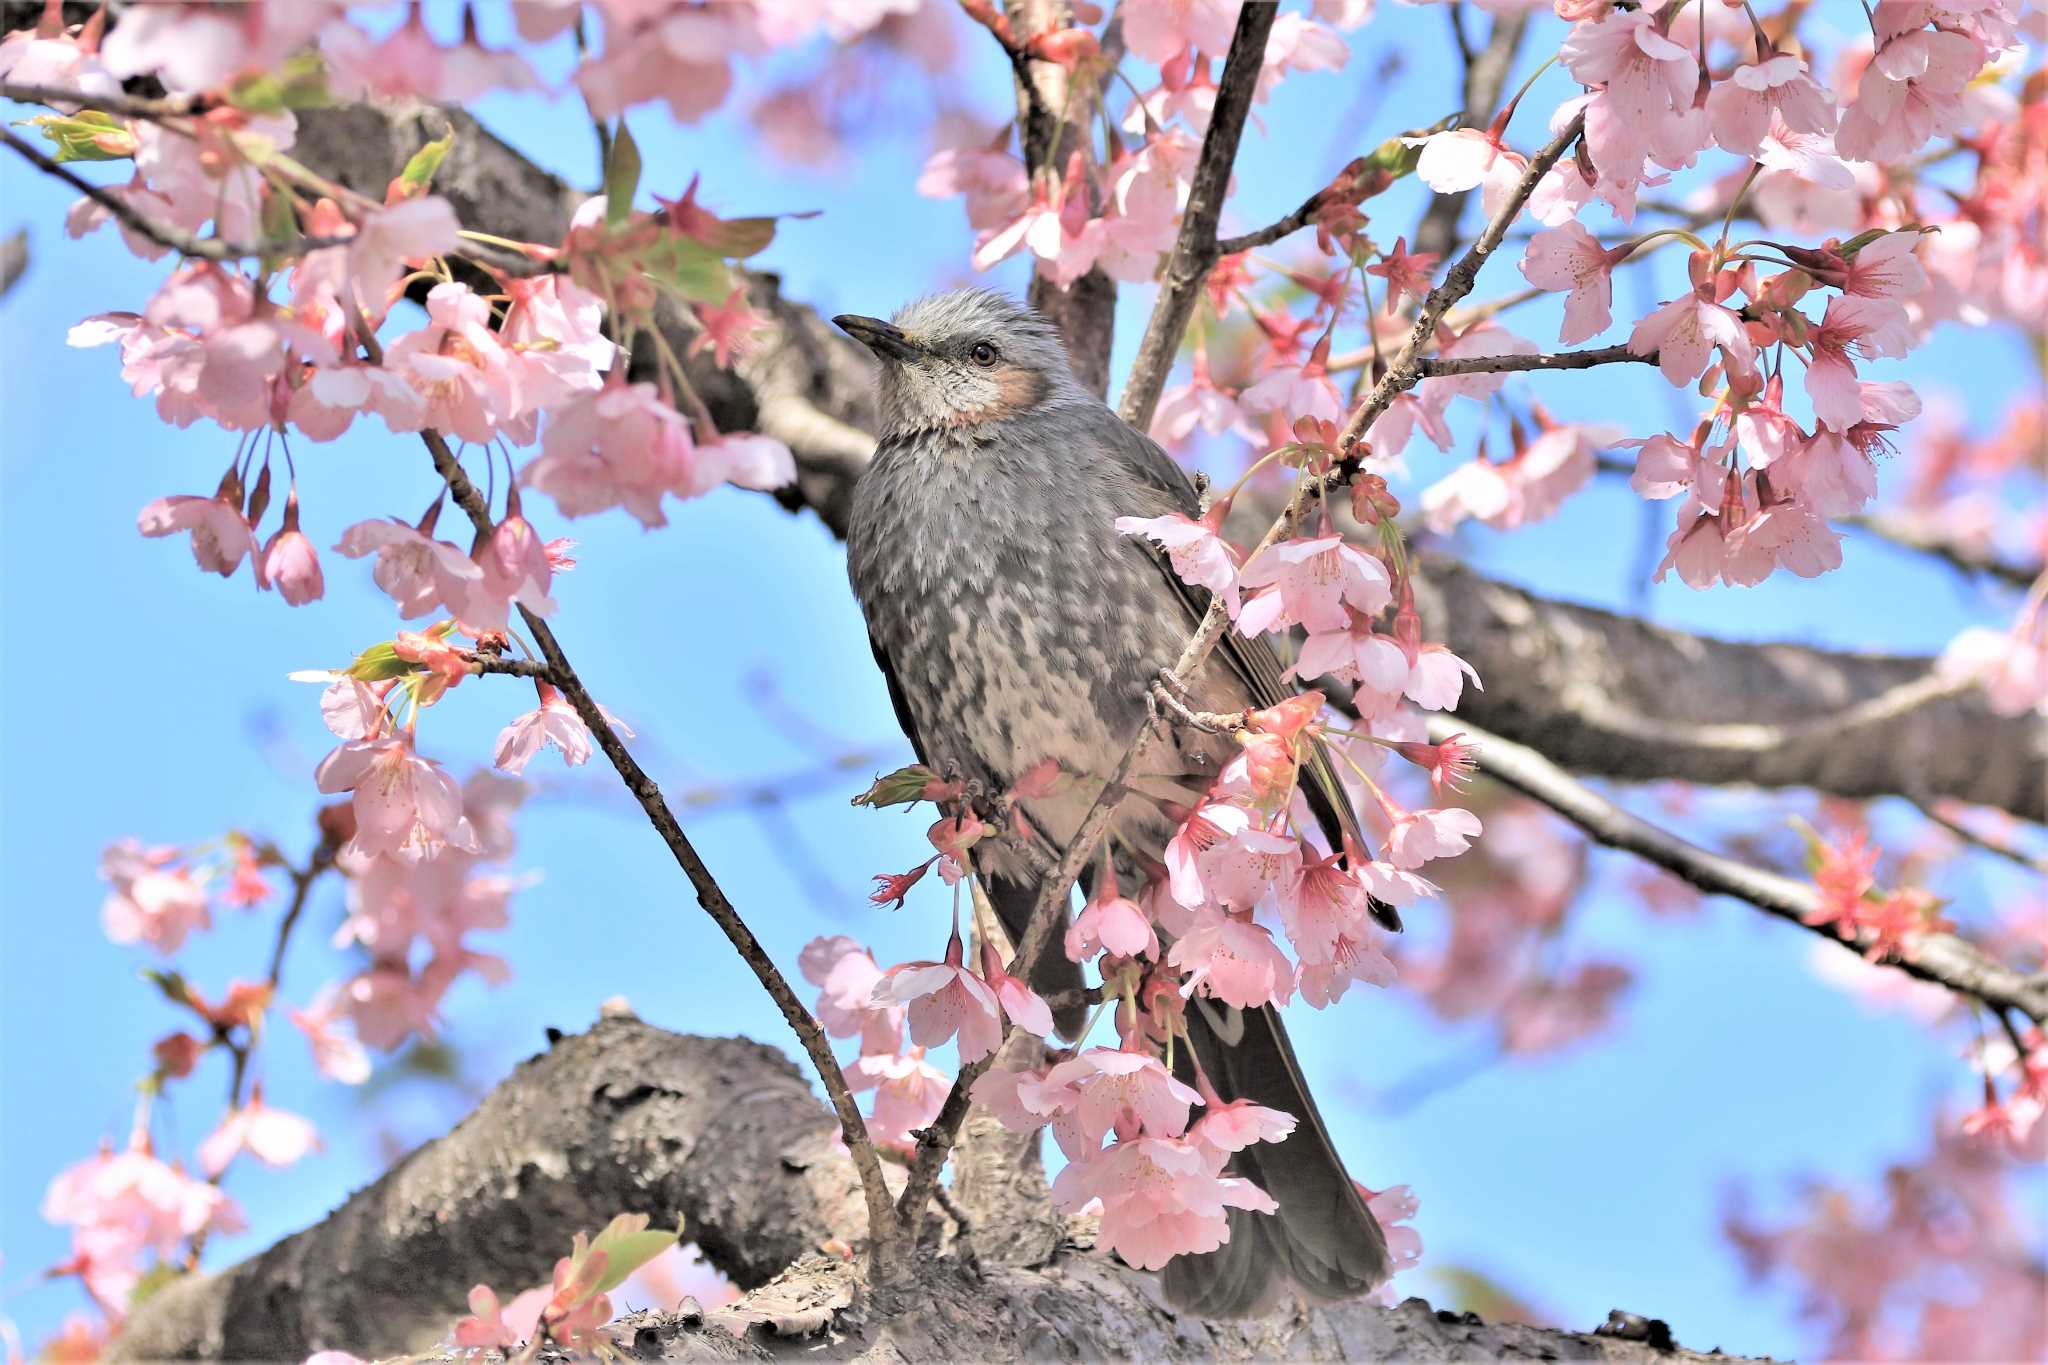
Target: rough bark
1597, 692
1618, 697
724, 1134
720, 1132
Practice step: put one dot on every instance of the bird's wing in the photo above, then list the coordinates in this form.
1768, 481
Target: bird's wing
897, 701
1054, 974
1161, 486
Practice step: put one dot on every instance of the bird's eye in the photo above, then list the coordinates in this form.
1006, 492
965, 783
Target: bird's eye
983, 353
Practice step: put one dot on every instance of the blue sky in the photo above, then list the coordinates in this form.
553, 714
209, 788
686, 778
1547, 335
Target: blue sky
143, 698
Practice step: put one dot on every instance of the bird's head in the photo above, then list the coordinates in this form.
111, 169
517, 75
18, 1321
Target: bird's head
963, 359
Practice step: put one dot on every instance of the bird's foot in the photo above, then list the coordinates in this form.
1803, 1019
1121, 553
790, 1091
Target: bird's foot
1166, 695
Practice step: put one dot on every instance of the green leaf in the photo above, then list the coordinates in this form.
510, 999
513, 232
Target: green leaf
628, 1245
903, 787
420, 167
153, 1281
379, 662
280, 220
172, 984
690, 266
82, 136
301, 83
621, 176
738, 237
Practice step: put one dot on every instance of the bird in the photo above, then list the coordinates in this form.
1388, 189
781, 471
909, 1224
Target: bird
1014, 624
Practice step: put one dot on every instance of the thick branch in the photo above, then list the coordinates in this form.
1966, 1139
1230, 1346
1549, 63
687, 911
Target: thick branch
724, 1135
720, 1134
1944, 959
1195, 250
1614, 696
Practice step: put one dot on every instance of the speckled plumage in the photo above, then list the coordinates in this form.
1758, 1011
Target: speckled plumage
1015, 624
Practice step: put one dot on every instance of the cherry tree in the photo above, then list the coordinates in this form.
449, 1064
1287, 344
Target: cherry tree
1793, 199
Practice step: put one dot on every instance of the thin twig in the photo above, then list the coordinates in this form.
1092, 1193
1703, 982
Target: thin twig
1977, 838
881, 1219
1273, 232
184, 243
1406, 371
1437, 368
1195, 250
302, 886
127, 106
1942, 958
1969, 558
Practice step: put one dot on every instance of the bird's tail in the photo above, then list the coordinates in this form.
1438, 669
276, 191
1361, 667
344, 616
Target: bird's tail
1323, 1241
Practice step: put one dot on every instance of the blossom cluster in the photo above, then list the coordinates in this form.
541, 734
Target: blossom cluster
1934, 1266
1666, 88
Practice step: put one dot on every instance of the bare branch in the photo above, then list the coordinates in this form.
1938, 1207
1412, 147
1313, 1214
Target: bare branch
1437, 367
882, 1226
1944, 959
1612, 696
721, 1134
1273, 232
1943, 814
1973, 559
1195, 250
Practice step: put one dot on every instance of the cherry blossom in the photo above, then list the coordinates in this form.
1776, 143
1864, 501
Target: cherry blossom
1199, 402
1683, 334
1910, 92
618, 446
1197, 550
1854, 324
1310, 583
1110, 923
1157, 30
1742, 108
1229, 958
459, 365
1462, 158
1414, 837
337, 1054
288, 561
1020, 1004
1404, 274
945, 999
909, 1092
2010, 665
150, 902
221, 535
1568, 257
131, 1191
1161, 1198
417, 571
271, 1135
1106, 1091
406, 805
553, 722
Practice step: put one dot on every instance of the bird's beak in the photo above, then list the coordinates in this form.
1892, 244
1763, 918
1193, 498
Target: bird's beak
885, 341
